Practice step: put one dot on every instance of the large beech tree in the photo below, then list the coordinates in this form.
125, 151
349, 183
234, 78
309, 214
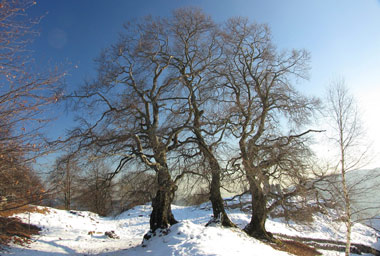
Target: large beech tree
266, 111
198, 51
133, 102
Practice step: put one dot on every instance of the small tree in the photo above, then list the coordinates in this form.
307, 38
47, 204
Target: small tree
347, 135
19, 185
65, 178
95, 192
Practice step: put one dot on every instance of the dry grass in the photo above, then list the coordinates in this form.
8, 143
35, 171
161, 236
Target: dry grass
23, 209
12, 229
296, 248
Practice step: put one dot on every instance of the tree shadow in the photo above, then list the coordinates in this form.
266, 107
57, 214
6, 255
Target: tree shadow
28, 251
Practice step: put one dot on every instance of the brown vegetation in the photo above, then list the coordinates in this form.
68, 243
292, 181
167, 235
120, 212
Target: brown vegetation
332, 245
25, 95
296, 248
12, 229
25, 208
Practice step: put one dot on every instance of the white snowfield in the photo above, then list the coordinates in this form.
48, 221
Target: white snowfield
83, 233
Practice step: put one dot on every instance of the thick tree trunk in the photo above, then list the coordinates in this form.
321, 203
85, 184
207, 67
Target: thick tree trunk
219, 213
162, 216
256, 227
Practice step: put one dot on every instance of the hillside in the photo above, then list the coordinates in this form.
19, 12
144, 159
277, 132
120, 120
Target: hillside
83, 233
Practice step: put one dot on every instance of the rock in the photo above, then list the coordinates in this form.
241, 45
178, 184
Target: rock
111, 234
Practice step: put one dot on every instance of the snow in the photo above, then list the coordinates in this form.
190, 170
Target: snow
83, 233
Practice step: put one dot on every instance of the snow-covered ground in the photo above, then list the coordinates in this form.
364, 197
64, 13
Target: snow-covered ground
83, 233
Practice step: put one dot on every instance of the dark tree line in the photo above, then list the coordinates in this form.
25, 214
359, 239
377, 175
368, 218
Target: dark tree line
81, 183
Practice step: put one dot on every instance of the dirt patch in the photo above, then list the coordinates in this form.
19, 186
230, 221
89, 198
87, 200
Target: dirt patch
296, 248
332, 245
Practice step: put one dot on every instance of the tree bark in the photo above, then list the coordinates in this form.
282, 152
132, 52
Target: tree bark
162, 216
219, 213
348, 240
347, 204
256, 227
347, 200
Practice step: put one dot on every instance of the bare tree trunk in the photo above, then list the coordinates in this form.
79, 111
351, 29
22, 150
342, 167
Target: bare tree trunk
256, 227
68, 187
348, 239
346, 195
162, 216
219, 213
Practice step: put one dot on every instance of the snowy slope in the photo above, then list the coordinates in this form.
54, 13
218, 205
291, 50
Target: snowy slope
83, 233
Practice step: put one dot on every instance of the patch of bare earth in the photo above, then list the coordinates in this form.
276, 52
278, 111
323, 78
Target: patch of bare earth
296, 248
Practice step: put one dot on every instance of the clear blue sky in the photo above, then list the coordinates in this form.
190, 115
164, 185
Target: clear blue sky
343, 37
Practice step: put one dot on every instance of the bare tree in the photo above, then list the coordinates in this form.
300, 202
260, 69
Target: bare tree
95, 192
65, 178
347, 135
19, 184
24, 92
198, 51
266, 112
135, 110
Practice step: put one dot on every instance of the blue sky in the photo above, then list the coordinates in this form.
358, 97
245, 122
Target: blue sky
343, 37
